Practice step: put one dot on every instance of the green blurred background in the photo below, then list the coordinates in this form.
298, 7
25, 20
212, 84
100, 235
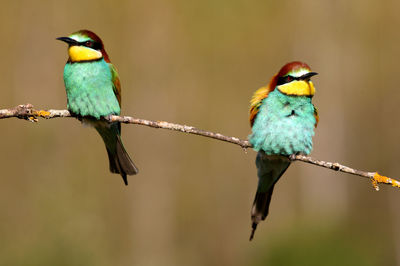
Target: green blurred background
198, 63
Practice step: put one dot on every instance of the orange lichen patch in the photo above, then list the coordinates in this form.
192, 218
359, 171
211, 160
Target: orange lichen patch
32, 119
385, 180
42, 113
375, 184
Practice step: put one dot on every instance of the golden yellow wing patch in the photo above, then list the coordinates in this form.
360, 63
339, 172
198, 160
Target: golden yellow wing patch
256, 102
259, 96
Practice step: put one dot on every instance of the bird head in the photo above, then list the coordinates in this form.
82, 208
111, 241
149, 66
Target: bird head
294, 79
84, 46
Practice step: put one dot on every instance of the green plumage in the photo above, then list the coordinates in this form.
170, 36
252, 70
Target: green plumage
284, 125
94, 91
91, 95
89, 89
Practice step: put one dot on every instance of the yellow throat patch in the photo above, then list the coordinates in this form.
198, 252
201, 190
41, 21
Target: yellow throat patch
82, 53
298, 88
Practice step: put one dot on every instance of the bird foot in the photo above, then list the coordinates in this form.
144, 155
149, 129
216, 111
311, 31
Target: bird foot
108, 118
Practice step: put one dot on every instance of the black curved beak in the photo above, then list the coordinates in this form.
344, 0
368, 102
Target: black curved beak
308, 75
67, 40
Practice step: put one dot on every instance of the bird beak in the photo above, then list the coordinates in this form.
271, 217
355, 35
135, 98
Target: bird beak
68, 40
308, 75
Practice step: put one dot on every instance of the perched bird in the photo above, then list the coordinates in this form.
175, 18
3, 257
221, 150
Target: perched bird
283, 121
94, 91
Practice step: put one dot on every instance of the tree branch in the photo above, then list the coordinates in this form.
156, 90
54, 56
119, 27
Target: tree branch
28, 113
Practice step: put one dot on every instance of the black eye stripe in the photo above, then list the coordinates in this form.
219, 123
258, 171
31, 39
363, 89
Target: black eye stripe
91, 44
286, 79
289, 78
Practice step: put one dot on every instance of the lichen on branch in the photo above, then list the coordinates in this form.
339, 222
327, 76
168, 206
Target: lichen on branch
27, 112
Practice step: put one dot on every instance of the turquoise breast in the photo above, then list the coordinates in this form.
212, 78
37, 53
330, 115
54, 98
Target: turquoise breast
284, 125
90, 89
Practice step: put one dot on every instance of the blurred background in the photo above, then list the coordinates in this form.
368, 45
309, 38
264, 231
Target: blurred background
198, 63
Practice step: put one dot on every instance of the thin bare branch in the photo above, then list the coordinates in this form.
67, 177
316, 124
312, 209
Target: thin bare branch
28, 113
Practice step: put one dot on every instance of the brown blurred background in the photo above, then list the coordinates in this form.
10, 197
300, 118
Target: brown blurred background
198, 63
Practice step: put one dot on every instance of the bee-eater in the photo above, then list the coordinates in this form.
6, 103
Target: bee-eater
94, 91
283, 119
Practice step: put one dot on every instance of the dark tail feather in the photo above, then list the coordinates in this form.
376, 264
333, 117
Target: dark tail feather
120, 162
269, 170
260, 209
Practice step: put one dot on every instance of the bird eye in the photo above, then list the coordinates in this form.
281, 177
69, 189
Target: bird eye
89, 44
289, 78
